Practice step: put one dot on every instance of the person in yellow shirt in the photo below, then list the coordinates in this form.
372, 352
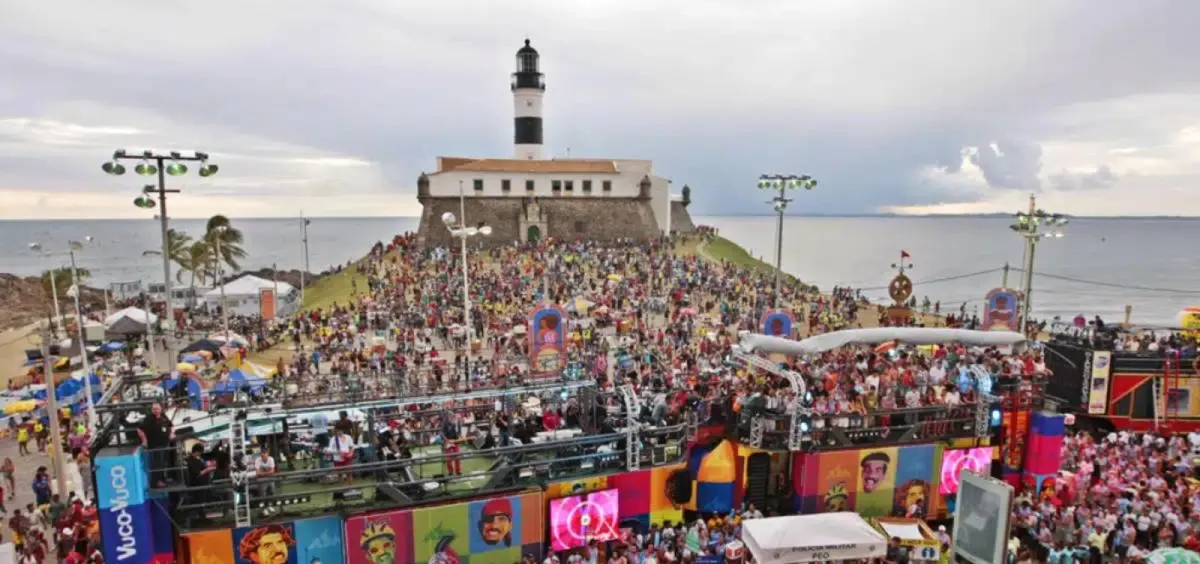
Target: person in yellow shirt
23, 440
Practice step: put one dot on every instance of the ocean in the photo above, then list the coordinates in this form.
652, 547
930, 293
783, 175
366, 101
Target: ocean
1098, 267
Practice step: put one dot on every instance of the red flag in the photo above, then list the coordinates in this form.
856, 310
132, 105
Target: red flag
904, 255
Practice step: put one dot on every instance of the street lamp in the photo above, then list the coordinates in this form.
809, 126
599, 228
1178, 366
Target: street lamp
1034, 225
304, 221
458, 228
73, 247
780, 184
37, 248
218, 231
160, 163
150, 325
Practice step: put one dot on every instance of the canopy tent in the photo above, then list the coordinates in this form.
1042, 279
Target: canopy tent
209, 345
239, 380
812, 538
241, 296
129, 321
72, 389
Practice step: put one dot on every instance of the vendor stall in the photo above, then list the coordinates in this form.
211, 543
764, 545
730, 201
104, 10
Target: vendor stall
812, 538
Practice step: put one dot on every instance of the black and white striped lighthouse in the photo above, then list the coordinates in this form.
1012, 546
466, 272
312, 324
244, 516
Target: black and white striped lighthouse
528, 88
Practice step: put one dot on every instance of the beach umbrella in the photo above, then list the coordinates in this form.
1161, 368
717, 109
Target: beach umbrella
185, 367
24, 406
1173, 556
192, 358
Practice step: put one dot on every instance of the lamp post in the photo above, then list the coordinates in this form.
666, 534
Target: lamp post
53, 288
1034, 225
73, 247
304, 221
458, 228
218, 231
780, 184
160, 164
150, 325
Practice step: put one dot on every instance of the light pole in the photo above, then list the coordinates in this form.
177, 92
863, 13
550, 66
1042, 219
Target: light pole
458, 228
57, 456
150, 324
304, 221
72, 248
53, 287
218, 231
1030, 224
160, 164
780, 184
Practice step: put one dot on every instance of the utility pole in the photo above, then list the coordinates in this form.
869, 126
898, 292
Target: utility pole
1028, 224
1004, 280
56, 452
304, 241
780, 184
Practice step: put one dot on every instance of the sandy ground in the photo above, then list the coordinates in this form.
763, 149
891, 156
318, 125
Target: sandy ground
12, 351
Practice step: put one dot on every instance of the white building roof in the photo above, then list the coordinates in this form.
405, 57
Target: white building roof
249, 285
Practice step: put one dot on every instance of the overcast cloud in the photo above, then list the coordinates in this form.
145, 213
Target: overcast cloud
335, 107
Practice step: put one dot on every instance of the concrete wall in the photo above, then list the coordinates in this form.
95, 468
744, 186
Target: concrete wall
681, 220
599, 219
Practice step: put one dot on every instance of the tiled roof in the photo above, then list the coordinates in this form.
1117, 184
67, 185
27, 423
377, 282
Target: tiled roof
594, 166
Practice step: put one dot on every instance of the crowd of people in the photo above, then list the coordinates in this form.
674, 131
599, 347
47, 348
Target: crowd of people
645, 314
1121, 495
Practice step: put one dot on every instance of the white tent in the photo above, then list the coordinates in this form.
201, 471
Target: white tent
136, 314
812, 538
242, 296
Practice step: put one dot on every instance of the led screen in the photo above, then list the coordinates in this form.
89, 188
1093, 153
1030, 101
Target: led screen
578, 519
977, 460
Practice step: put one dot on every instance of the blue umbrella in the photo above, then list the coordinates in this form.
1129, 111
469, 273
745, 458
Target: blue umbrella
193, 358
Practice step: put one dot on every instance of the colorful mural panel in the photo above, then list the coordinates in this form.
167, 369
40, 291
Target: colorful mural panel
547, 335
837, 480
496, 530
268, 544
876, 481
892, 481
914, 481
776, 323
319, 540
380, 538
441, 532
209, 547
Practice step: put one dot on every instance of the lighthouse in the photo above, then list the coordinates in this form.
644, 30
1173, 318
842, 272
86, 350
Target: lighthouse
528, 88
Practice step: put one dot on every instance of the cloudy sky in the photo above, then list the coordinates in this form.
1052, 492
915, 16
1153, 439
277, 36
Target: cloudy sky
335, 107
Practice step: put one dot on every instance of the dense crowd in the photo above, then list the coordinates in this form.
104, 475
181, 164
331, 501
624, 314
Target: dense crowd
1120, 495
635, 312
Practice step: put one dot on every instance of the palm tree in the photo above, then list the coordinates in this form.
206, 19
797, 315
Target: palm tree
62, 279
196, 262
178, 243
226, 240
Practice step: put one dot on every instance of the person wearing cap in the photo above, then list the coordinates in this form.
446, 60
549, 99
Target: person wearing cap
874, 468
495, 522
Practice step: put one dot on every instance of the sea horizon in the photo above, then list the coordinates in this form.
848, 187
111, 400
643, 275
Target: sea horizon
1099, 267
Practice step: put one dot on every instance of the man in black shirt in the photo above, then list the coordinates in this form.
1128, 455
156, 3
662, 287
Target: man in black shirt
199, 471
156, 432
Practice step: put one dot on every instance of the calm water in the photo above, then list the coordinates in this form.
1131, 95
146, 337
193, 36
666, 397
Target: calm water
1153, 255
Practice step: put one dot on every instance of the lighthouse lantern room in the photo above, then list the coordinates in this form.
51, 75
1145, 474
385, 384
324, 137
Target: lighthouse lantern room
528, 88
